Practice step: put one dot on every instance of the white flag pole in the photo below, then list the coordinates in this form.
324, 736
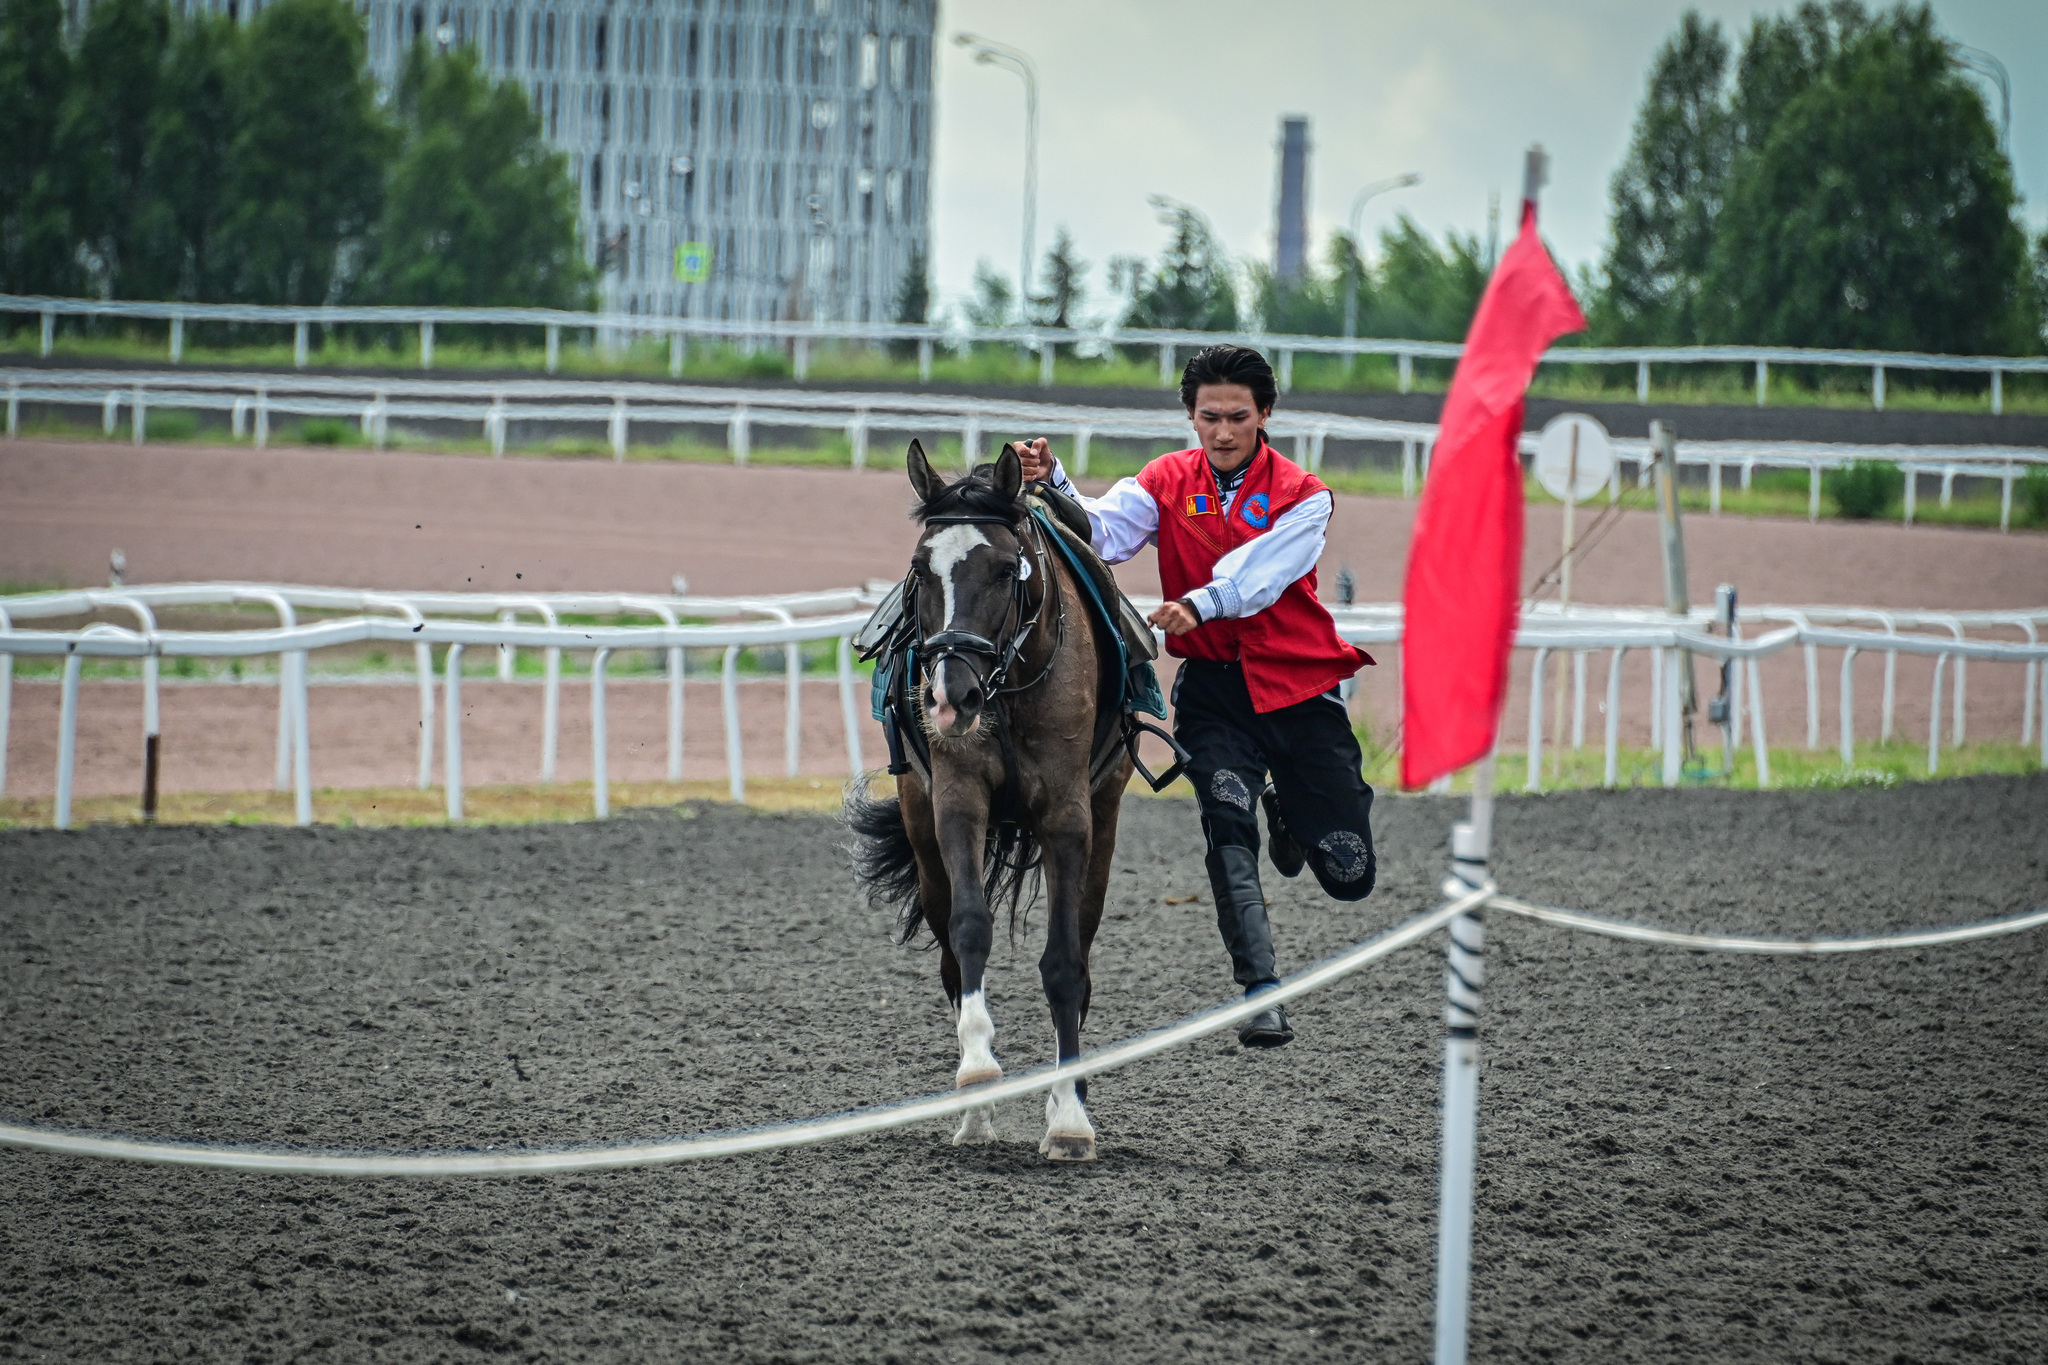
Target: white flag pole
1471, 847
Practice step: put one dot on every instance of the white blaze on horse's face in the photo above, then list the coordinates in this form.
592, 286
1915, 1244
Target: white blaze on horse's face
946, 554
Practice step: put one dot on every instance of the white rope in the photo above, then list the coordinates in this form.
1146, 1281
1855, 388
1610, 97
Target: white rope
807, 1132
773, 1137
1724, 943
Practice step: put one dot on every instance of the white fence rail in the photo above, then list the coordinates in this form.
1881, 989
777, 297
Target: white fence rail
492, 406
462, 621
801, 336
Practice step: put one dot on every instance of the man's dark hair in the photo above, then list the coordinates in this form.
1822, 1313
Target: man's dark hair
1229, 364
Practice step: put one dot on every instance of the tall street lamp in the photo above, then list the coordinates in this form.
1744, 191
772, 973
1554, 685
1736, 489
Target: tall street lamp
991, 53
1377, 187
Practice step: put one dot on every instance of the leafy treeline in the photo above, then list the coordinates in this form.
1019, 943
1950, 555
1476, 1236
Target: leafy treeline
1835, 180
1838, 182
194, 158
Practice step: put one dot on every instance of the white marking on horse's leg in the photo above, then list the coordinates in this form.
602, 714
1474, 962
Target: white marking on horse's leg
947, 549
977, 1042
977, 1064
1069, 1136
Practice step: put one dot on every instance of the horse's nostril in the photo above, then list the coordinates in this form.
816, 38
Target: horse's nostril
972, 700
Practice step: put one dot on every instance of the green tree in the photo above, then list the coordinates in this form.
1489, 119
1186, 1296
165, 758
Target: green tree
1877, 211
914, 293
479, 211
1423, 291
993, 297
1311, 305
1191, 289
308, 157
35, 75
188, 171
1667, 194
103, 140
1064, 290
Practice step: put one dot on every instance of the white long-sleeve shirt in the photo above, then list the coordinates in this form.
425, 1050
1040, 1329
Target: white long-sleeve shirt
1247, 580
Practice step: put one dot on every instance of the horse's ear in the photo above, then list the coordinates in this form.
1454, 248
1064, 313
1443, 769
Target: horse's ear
1010, 473
924, 481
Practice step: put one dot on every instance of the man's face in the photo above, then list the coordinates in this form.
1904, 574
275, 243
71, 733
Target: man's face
1227, 421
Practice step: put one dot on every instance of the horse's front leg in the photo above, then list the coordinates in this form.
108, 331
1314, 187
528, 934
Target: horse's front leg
962, 831
1064, 836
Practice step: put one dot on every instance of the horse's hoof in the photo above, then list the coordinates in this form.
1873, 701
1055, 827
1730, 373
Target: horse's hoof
977, 1127
961, 1082
1068, 1146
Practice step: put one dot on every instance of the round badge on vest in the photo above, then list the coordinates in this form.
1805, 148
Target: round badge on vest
1256, 511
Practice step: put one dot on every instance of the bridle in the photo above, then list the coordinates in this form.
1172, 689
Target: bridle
989, 661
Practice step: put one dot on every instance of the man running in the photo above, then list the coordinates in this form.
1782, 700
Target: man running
1239, 529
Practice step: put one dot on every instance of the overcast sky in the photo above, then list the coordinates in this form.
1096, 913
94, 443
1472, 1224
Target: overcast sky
1142, 97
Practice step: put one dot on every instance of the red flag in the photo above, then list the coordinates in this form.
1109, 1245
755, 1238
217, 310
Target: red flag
1464, 593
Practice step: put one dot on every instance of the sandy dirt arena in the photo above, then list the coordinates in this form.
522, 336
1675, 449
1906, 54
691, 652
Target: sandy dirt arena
403, 520
1682, 1157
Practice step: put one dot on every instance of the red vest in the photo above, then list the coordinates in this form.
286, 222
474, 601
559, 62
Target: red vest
1291, 650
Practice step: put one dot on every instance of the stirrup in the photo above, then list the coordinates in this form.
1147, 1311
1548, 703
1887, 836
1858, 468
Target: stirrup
1133, 727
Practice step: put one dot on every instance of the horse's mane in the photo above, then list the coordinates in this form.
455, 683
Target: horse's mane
974, 496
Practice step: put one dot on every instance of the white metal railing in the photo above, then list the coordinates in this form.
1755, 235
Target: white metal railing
799, 618
250, 400
801, 336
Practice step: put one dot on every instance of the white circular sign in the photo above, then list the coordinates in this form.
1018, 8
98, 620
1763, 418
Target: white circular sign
1562, 469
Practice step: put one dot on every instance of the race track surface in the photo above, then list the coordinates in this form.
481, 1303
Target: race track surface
1682, 1157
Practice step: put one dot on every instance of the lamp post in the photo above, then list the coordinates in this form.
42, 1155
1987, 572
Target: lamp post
1377, 187
990, 53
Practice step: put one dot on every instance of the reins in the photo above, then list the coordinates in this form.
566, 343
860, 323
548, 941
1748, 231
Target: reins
970, 648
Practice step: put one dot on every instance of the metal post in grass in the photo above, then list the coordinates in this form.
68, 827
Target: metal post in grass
13, 407
1165, 364
1405, 363
1877, 387
1997, 392
554, 347
426, 345
139, 428
451, 760
849, 708
423, 665
299, 344
1534, 781
1046, 352
1471, 845
177, 339
600, 776
677, 349
1934, 719
1763, 381
1756, 725
67, 739
800, 358
1610, 770
49, 333
302, 768
1848, 744
1642, 381
736, 434
729, 698
1286, 371
1082, 435
924, 360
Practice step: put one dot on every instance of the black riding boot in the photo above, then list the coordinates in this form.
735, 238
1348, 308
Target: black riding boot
1241, 916
1288, 855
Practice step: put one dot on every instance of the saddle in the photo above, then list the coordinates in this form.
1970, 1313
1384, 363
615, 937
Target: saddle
890, 639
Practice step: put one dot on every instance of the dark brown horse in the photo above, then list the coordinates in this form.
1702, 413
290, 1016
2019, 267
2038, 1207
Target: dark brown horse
1012, 672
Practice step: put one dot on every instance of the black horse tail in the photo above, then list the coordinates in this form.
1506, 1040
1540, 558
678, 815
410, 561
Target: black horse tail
883, 860
885, 863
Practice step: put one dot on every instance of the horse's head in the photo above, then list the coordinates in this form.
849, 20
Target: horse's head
967, 565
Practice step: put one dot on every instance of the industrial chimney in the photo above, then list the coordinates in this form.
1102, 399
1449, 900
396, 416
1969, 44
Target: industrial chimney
1290, 238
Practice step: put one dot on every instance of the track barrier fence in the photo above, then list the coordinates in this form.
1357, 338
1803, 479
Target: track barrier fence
1046, 342
493, 407
458, 622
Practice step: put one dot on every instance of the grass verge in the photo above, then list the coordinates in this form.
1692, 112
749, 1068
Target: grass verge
1876, 765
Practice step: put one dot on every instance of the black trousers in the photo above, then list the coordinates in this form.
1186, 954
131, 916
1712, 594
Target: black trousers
1312, 755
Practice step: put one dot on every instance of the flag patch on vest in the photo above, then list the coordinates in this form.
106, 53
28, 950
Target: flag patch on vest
1201, 505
